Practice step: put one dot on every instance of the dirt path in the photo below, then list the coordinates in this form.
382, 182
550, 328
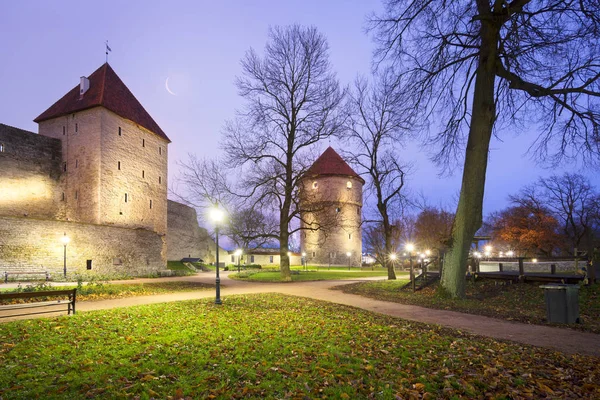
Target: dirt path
565, 340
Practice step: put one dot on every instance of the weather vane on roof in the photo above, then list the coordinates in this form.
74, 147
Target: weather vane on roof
107, 50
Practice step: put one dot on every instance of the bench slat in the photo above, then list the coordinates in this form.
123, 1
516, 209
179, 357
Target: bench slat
31, 295
33, 305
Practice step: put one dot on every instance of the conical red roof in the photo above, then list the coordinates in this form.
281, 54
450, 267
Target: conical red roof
106, 90
331, 163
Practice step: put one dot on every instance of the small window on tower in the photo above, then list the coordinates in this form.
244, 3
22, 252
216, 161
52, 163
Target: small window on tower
76, 163
125, 197
143, 174
63, 196
314, 254
349, 236
160, 179
151, 204
159, 150
357, 210
119, 131
143, 142
65, 166
349, 185
76, 195
119, 165
64, 130
1, 148
338, 209
76, 128
315, 185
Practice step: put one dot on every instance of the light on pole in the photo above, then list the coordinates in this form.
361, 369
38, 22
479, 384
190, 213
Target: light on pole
238, 253
65, 240
217, 215
410, 248
348, 254
304, 260
393, 258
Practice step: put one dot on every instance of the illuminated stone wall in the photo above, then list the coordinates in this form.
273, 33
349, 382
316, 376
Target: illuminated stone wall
28, 244
338, 215
185, 238
30, 171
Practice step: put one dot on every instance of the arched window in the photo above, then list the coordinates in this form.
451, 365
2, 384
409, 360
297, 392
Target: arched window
315, 185
349, 185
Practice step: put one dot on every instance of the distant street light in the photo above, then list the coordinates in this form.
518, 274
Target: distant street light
393, 258
217, 215
510, 253
65, 240
348, 254
304, 260
238, 253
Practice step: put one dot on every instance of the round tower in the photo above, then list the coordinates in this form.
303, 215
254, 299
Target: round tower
331, 209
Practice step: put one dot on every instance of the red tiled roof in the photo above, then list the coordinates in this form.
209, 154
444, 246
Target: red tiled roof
106, 90
331, 163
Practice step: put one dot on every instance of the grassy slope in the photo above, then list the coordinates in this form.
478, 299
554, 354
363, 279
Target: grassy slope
272, 346
519, 302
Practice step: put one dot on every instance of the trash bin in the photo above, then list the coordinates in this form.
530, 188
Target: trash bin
562, 303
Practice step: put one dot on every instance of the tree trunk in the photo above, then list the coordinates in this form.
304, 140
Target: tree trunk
388, 248
469, 212
284, 263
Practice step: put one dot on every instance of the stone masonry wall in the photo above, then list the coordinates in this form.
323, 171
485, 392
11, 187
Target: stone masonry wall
340, 211
185, 238
80, 182
31, 244
30, 170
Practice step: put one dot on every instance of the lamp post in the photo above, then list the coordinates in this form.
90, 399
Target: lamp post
238, 253
217, 215
348, 254
410, 248
65, 240
304, 260
393, 258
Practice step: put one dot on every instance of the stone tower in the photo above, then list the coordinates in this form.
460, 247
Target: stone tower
331, 200
114, 155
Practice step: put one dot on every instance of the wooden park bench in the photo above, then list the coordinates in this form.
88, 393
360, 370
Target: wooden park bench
62, 298
7, 273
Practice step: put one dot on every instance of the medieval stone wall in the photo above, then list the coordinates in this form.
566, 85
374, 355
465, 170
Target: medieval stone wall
32, 244
30, 171
133, 189
335, 203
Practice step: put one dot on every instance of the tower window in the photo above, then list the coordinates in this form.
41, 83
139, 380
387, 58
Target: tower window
160, 179
76, 194
143, 142
119, 165
65, 166
64, 130
125, 197
314, 254
76, 128
338, 209
271, 259
349, 236
119, 131
76, 163
349, 185
159, 150
315, 185
63, 196
357, 210
1, 148
151, 204
143, 174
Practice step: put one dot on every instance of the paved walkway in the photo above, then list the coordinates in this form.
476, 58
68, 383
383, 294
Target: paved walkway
561, 339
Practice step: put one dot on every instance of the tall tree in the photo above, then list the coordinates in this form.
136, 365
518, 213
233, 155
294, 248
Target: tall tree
376, 124
433, 228
475, 63
292, 98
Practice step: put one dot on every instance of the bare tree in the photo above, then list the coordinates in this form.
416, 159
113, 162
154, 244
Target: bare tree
573, 201
433, 228
292, 97
475, 64
375, 124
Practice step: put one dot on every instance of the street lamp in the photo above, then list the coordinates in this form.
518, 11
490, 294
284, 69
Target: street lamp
238, 253
217, 215
410, 248
348, 254
393, 258
304, 260
65, 240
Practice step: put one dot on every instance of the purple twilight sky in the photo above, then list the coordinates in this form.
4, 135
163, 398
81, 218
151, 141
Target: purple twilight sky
46, 46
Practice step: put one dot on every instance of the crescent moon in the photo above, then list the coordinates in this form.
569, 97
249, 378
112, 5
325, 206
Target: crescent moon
167, 87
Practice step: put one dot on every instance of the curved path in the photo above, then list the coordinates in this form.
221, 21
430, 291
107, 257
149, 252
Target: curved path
561, 339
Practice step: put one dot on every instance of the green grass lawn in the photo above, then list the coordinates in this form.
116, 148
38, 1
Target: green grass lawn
321, 275
104, 291
272, 346
519, 302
